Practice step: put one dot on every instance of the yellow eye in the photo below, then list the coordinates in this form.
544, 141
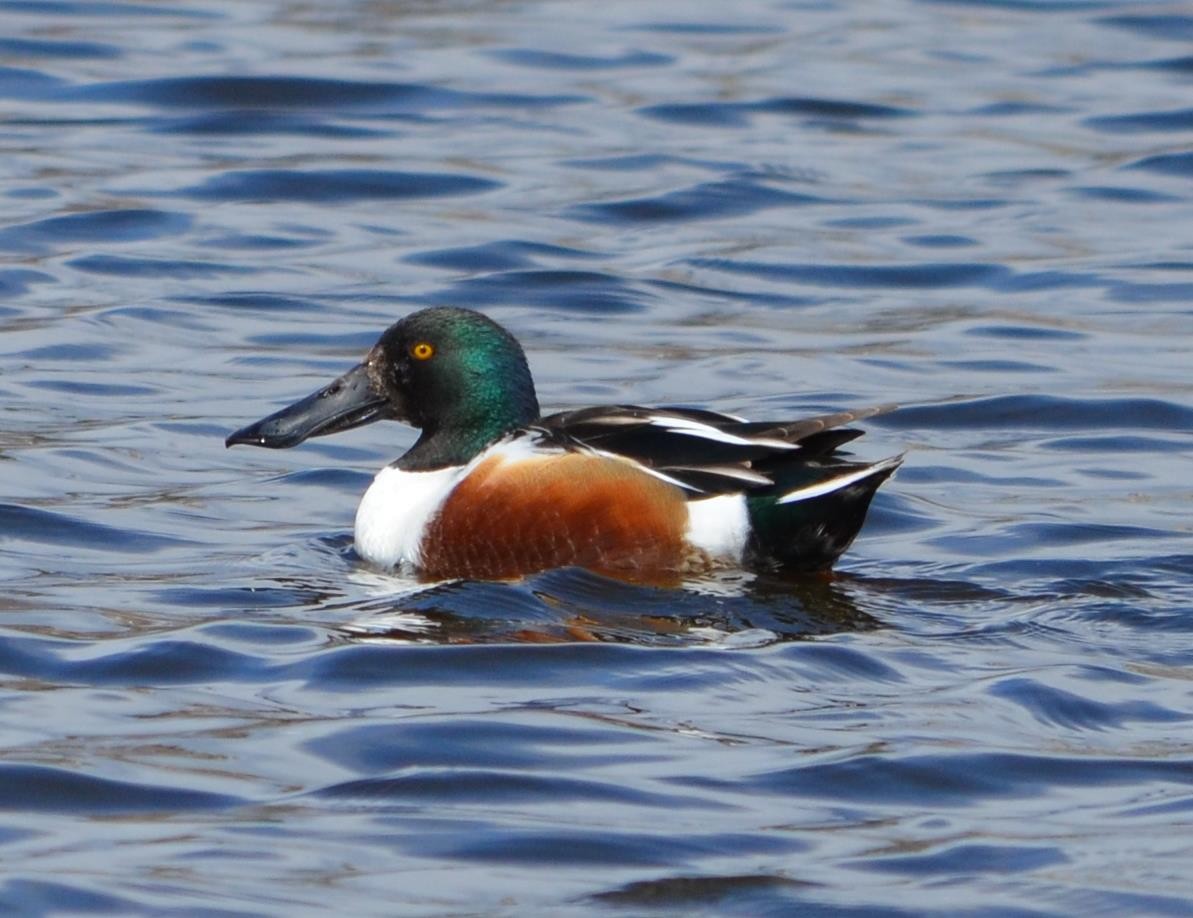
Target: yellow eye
424, 350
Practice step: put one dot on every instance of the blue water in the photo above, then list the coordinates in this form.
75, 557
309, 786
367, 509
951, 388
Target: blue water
982, 211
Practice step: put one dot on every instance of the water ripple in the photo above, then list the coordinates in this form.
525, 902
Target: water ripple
82, 50
965, 859
744, 894
83, 8
502, 255
946, 274
127, 225
706, 201
555, 60
288, 92
956, 780
1178, 120
508, 745
498, 787
332, 186
1167, 27
260, 123
1053, 705
1179, 164
1046, 412
578, 847
54, 790
210, 704
125, 266
571, 291
30, 524
736, 114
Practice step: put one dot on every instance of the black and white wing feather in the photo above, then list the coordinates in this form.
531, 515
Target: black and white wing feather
705, 452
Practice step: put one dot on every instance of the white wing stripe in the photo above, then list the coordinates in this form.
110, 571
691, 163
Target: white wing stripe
691, 428
841, 481
683, 485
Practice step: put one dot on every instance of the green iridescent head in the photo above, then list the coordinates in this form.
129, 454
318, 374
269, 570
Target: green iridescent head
455, 374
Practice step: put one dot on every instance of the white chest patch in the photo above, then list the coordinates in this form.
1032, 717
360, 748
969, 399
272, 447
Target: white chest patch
719, 526
395, 510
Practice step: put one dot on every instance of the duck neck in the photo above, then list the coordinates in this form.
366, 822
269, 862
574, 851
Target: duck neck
458, 443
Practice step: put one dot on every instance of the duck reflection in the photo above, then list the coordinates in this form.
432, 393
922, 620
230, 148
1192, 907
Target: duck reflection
571, 605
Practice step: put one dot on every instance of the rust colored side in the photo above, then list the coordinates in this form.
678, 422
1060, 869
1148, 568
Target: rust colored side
507, 519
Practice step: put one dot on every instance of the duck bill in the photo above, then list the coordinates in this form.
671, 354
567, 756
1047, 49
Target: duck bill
350, 401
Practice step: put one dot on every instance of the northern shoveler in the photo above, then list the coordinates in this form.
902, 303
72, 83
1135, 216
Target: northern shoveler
492, 490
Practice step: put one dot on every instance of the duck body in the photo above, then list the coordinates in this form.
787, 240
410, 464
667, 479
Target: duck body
493, 490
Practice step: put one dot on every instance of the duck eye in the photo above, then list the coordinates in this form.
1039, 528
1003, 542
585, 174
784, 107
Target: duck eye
423, 350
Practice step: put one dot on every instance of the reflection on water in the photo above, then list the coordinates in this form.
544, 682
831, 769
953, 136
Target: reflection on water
977, 210
733, 608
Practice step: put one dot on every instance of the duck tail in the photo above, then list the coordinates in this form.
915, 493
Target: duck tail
812, 515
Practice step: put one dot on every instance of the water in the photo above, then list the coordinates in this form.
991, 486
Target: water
981, 211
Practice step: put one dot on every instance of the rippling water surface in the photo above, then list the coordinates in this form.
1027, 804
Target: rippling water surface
980, 210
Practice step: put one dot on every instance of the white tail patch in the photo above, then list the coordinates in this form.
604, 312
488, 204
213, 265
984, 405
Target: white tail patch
719, 526
839, 482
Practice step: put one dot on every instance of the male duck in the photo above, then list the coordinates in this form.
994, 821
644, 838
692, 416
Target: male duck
491, 490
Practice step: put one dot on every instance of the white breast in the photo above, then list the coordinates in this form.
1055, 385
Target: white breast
395, 510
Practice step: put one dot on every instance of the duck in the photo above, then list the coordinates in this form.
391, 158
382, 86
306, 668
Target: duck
494, 490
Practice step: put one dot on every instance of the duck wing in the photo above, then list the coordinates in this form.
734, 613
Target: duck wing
704, 451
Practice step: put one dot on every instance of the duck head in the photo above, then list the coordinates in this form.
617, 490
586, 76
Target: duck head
455, 374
